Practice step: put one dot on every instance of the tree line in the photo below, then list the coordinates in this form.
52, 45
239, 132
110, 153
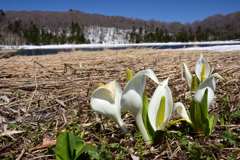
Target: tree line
33, 27
33, 34
184, 35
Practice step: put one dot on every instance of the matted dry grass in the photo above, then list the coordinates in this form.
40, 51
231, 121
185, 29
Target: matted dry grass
46, 94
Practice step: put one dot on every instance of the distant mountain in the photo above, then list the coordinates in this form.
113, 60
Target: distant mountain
64, 19
45, 27
224, 26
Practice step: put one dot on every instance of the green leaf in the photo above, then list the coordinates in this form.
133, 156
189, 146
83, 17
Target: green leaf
205, 127
204, 114
212, 122
195, 83
130, 74
230, 137
146, 121
195, 115
202, 121
92, 152
145, 109
235, 115
68, 147
204, 104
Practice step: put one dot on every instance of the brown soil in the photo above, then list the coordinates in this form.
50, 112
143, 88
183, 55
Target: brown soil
46, 94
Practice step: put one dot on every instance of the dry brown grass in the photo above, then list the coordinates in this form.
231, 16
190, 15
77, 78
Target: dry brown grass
51, 92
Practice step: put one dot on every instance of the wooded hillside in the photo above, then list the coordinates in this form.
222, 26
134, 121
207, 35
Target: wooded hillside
45, 27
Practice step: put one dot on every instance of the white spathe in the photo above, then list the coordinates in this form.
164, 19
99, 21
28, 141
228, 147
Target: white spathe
132, 97
202, 69
186, 74
200, 94
154, 106
106, 101
209, 82
180, 109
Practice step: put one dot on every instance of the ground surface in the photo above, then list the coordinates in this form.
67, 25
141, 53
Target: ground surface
42, 95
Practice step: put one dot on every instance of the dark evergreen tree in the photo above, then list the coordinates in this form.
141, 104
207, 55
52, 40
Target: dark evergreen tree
133, 35
32, 34
77, 35
166, 36
139, 35
182, 36
158, 35
200, 34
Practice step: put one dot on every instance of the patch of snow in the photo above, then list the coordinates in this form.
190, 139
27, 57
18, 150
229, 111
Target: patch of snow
109, 35
222, 48
216, 46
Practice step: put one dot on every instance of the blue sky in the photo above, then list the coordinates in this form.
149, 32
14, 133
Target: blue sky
164, 10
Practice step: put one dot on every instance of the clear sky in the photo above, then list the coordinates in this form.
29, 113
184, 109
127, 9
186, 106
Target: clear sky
164, 10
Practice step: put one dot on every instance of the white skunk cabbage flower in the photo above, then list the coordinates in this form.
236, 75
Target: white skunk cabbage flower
161, 107
204, 74
202, 69
106, 101
180, 109
200, 93
132, 98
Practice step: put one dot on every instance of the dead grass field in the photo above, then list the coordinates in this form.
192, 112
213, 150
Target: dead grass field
46, 94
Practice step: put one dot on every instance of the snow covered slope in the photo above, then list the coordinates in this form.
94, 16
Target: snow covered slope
106, 35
